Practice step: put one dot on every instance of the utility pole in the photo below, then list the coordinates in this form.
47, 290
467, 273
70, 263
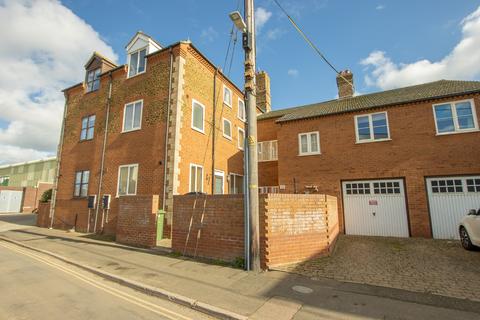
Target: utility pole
252, 233
251, 141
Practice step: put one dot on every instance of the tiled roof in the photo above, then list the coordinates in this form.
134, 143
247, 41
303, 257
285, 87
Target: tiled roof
432, 90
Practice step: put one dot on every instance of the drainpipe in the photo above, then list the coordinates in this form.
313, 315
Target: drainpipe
59, 157
165, 161
103, 151
213, 127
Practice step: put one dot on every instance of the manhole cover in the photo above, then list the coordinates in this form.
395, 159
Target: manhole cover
302, 289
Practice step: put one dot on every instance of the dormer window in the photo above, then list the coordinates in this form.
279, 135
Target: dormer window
93, 80
137, 62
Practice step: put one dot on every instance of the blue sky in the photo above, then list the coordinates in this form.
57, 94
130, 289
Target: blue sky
346, 31
387, 44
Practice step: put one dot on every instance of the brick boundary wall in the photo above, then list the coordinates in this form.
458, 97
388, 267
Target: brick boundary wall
137, 221
293, 227
43, 215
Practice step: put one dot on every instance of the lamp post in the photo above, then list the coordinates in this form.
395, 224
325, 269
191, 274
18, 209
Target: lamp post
252, 245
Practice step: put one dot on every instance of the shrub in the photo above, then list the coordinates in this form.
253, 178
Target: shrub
46, 196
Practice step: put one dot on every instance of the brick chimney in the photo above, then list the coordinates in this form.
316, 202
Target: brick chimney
345, 88
264, 101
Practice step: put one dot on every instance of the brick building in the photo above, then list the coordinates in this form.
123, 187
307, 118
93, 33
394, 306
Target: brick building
167, 122
402, 162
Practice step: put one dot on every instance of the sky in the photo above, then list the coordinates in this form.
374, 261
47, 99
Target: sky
386, 43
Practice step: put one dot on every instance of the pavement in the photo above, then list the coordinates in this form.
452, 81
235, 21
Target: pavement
268, 295
439, 267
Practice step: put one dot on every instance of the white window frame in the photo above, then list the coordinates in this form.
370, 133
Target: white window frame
202, 130
88, 127
133, 116
244, 110
219, 173
261, 145
231, 177
138, 60
192, 165
229, 137
128, 179
455, 117
370, 123
309, 144
241, 147
229, 104
90, 84
81, 183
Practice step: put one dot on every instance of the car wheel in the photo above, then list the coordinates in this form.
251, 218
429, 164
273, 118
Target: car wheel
465, 239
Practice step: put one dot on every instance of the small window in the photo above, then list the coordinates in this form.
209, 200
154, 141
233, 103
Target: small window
137, 62
196, 178
127, 180
455, 117
236, 184
88, 126
473, 185
81, 183
387, 187
242, 113
372, 127
241, 139
132, 117
447, 186
227, 129
227, 96
357, 188
93, 80
198, 115
4, 181
309, 143
267, 150
219, 182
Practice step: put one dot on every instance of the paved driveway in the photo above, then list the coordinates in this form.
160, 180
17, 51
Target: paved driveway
423, 265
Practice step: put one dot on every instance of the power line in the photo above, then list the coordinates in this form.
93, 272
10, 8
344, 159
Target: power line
307, 39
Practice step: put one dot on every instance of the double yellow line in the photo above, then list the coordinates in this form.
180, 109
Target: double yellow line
113, 291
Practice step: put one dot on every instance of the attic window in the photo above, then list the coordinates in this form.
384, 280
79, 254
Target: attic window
137, 62
93, 80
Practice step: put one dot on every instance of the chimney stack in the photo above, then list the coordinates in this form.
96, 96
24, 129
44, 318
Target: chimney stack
264, 101
345, 84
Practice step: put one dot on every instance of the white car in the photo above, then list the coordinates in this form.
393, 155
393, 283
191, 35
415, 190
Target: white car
469, 229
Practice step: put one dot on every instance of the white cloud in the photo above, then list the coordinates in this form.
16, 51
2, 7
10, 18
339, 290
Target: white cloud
209, 34
463, 62
293, 73
44, 48
380, 7
262, 15
274, 34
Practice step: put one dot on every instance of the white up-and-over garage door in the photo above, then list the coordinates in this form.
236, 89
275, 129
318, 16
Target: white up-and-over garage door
375, 208
450, 199
10, 201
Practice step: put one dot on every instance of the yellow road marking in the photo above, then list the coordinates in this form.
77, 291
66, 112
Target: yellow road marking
115, 292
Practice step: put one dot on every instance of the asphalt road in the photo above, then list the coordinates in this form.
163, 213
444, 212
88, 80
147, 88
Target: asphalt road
35, 287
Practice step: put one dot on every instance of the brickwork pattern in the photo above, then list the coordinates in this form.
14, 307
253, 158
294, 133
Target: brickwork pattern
43, 215
137, 221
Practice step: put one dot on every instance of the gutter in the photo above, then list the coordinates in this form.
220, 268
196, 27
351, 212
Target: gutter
59, 157
105, 135
165, 185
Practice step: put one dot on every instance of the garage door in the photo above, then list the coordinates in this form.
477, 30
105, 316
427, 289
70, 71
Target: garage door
450, 199
375, 208
10, 201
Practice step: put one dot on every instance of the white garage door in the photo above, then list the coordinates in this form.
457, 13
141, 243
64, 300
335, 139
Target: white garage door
10, 201
450, 199
375, 208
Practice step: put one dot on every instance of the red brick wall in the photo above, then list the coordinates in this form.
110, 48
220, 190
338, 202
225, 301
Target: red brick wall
209, 226
298, 226
414, 152
293, 227
43, 219
137, 221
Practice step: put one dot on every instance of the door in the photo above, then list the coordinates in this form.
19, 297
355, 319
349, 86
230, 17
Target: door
450, 199
375, 208
219, 182
10, 201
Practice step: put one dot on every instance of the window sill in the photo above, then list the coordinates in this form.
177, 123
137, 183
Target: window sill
79, 198
228, 105
131, 130
198, 130
267, 160
137, 74
243, 120
125, 195
309, 154
85, 140
372, 141
92, 91
227, 137
457, 132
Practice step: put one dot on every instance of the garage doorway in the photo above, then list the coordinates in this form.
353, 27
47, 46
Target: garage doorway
375, 208
10, 201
